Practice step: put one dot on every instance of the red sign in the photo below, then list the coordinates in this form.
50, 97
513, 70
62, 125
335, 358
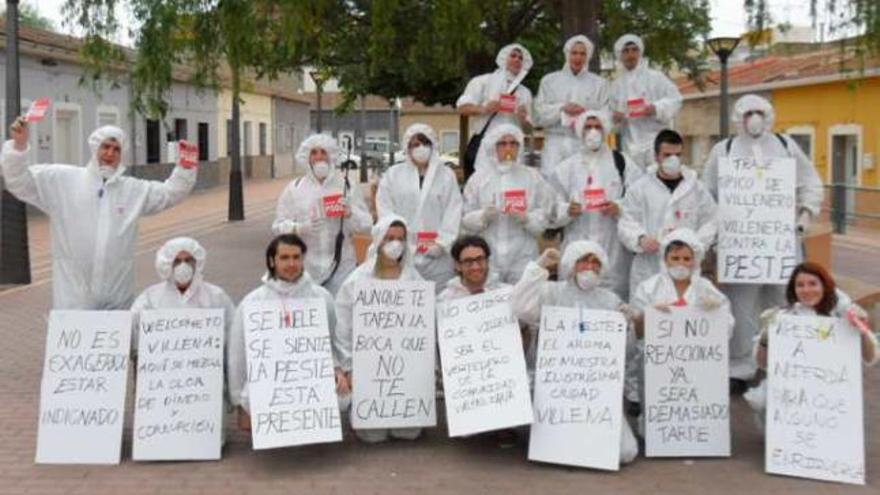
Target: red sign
637, 107
681, 302
515, 201
594, 198
507, 104
38, 110
188, 154
424, 241
334, 206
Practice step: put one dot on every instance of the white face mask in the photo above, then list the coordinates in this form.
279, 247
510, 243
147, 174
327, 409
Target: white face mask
671, 165
420, 153
755, 124
106, 171
593, 139
587, 279
321, 169
393, 249
679, 272
183, 273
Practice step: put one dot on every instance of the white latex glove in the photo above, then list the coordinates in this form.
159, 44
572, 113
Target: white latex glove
435, 251
490, 213
520, 218
628, 311
709, 302
549, 258
309, 227
803, 222
287, 226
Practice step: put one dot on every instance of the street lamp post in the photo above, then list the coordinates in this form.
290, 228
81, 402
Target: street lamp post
319, 79
15, 265
723, 47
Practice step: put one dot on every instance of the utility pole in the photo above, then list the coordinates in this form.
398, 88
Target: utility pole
15, 264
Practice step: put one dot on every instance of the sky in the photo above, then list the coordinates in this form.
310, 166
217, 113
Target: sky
728, 17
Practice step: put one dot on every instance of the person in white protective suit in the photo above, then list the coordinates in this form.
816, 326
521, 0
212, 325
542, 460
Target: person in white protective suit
93, 215
590, 186
180, 264
581, 269
389, 257
754, 118
667, 197
471, 254
811, 291
489, 94
562, 97
644, 100
679, 283
285, 279
425, 192
507, 203
320, 206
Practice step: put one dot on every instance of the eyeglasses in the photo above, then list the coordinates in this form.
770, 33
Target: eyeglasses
479, 260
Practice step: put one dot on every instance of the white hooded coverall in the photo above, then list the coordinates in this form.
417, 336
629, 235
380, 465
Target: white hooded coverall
652, 87
590, 170
555, 91
432, 208
513, 244
660, 289
489, 87
749, 300
534, 290
343, 341
93, 222
302, 201
650, 209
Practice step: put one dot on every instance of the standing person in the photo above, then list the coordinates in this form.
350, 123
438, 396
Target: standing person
754, 118
679, 283
93, 215
581, 269
667, 197
644, 100
180, 264
304, 205
562, 97
507, 203
590, 187
389, 257
488, 96
425, 193
811, 291
285, 279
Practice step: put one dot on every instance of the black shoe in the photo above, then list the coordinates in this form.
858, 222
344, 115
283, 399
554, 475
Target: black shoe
506, 439
738, 386
632, 408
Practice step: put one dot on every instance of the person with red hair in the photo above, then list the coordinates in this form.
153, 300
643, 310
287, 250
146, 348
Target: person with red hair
811, 291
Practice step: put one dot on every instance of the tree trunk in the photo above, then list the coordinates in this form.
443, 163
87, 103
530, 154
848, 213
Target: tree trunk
236, 196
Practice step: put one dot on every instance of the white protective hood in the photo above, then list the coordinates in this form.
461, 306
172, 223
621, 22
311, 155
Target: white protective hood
750, 103
166, 254
495, 135
100, 135
368, 267
319, 141
577, 250
569, 44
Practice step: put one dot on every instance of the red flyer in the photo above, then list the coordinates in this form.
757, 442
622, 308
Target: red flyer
188, 153
507, 104
637, 107
38, 110
515, 201
594, 198
424, 241
334, 206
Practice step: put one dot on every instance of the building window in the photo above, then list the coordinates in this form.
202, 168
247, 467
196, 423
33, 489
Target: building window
153, 141
248, 137
107, 116
203, 141
180, 129
448, 141
262, 138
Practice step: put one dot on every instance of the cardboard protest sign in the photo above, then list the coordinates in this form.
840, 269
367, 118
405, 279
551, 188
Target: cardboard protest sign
82, 394
814, 418
507, 103
757, 242
687, 402
179, 401
393, 356
334, 205
291, 379
636, 108
424, 240
188, 154
515, 201
579, 388
485, 383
